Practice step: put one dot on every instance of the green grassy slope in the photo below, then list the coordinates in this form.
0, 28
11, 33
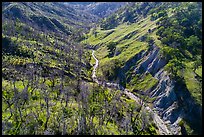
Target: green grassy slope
127, 39
131, 38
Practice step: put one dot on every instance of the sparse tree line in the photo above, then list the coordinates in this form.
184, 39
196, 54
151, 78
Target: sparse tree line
64, 107
40, 99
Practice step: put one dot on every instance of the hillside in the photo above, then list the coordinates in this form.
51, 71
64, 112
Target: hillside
41, 59
49, 16
101, 68
99, 9
141, 53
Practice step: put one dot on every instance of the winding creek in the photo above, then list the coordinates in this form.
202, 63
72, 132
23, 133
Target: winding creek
162, 128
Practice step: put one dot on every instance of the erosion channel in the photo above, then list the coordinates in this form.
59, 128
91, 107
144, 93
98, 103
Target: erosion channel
163, 130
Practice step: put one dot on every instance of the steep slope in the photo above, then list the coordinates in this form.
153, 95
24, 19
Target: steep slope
50, 16
132, 52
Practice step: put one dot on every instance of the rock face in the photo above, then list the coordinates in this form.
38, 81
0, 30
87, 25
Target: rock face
147, 60
152, 62
170, 105
166, 101
168, 94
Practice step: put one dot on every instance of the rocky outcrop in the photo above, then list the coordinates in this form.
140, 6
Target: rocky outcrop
166, 101
170, 105
152, 62
142, 66
168, 95
156, 65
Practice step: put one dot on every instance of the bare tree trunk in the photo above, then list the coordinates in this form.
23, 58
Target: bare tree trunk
47, 111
